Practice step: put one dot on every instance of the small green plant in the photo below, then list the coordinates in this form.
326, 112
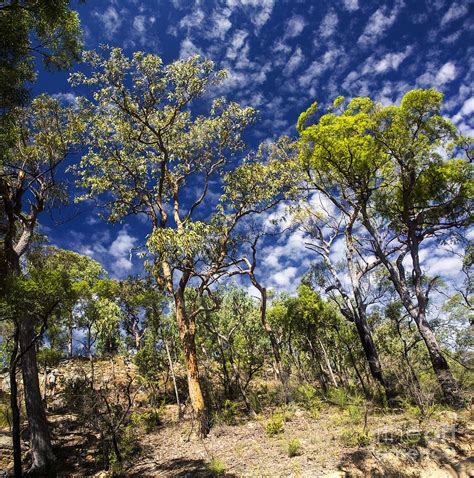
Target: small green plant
294, 448
227, 414
354, 413
339, 397
216, 468
150, 420
5, 416
355, 437
307, 397
275, 424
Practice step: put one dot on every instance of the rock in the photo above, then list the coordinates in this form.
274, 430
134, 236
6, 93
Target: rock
6, 442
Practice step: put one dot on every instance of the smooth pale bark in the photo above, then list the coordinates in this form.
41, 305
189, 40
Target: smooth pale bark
187, 333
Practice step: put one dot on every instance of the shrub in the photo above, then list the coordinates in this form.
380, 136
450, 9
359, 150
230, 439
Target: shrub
307, 397
294, 448
275, 424
216, 468
339, 397
227, 414
5, 416
150, 419
355, 437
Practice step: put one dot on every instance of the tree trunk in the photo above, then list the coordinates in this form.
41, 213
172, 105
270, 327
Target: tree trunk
43, 459
328, 363
372, 355
187, 332
16, 424
280, 374
173, 376
447, 382
70, 340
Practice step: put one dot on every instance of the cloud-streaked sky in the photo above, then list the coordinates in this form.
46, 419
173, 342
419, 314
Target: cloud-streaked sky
282, 55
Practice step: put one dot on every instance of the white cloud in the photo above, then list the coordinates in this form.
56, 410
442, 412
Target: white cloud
319, 66
294, 26
437, 76
66, 98
188, 48
192, 20
329, 24
259, 11
351, 5
110, 19
456, 11
285, 277
466, 110
296, 59
139, 24
380, 21
220, 24
391, 61
236, 44
446, 74
121, 252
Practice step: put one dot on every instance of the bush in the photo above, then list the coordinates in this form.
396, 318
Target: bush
307, 397
339, 397
5, 416
227, 414
150, 419
216, 467
355, 437
294, 448
275, 424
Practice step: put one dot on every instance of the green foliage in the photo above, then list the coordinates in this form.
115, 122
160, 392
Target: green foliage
216, 468
50, 24
150, 420
227, 414
275, 424
355, 437
293, 448
307, 396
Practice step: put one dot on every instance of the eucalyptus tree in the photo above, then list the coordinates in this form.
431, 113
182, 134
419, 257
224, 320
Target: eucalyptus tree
333, 158
346, 276
395, 166
44, 134
157, 151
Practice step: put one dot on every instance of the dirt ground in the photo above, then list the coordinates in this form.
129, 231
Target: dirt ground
446, 448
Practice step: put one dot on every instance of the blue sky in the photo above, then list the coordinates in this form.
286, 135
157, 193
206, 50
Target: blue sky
281, 56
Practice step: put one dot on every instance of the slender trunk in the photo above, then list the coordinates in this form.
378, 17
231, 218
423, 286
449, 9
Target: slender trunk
280, 374
173, 376
360, 315
187, 332
328, 363
16, 424
43, 459
70, 338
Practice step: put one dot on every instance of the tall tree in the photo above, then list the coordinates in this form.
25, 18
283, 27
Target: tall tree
394, 165
155, 156
43, 135
334, 159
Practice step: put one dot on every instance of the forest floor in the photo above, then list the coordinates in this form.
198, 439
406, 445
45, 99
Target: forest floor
331, 443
